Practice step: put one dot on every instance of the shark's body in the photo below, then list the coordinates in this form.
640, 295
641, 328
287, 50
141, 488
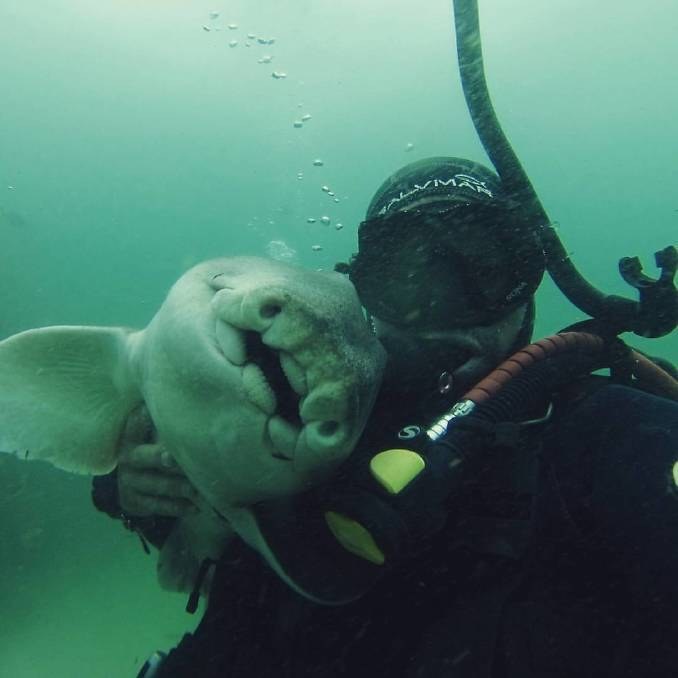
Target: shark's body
258, 377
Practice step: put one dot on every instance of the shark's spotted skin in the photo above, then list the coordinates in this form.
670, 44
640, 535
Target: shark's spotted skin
258, 376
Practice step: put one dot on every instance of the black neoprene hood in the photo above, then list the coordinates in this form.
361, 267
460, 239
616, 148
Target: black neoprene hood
442, 245
450, 179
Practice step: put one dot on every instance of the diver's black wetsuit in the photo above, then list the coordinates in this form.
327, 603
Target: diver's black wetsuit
562, 560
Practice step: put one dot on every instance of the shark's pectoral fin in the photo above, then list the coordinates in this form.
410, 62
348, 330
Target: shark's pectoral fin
65, 393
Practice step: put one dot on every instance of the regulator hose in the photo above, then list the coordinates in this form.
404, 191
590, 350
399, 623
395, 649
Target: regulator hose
404, 498
657, 312
334, 543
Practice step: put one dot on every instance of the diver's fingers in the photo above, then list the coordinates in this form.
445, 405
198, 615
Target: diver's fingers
145, 457
140, 493
172, 507
167, 506
157, 485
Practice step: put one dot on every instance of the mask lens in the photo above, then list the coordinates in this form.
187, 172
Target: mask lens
458, 267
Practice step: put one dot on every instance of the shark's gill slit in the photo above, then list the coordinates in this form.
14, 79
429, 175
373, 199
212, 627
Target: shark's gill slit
269, 362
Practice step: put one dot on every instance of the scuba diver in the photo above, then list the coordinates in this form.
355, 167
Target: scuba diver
508, 511
554, 555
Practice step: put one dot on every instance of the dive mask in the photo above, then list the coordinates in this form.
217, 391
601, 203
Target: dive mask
463, 265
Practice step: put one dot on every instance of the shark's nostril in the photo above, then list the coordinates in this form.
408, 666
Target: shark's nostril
328, 428
270, 310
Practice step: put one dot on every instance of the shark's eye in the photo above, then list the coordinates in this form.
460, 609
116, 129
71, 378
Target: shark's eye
219, 281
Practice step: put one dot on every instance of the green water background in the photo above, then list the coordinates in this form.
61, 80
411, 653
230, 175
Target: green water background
136, 143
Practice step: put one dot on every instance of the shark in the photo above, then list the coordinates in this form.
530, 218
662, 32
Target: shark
258, 377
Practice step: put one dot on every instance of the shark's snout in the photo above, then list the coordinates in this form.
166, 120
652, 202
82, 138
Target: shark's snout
259, 376
292, 372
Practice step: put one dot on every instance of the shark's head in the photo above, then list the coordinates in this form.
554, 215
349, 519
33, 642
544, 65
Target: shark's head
259, 376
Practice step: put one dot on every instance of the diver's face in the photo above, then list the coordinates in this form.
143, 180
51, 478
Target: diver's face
417, 358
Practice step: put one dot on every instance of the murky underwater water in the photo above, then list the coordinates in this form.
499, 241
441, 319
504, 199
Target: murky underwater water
138, 138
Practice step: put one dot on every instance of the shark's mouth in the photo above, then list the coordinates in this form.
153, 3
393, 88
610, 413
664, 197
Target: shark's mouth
306, 425
269, 362
293, 362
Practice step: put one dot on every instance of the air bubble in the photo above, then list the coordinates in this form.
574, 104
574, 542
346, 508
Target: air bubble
280, 251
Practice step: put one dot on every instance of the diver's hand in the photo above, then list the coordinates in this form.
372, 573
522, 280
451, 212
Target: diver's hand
151, 483
149, 480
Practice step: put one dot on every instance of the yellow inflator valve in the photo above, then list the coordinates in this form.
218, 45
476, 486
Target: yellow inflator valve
354, 537
395, 469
